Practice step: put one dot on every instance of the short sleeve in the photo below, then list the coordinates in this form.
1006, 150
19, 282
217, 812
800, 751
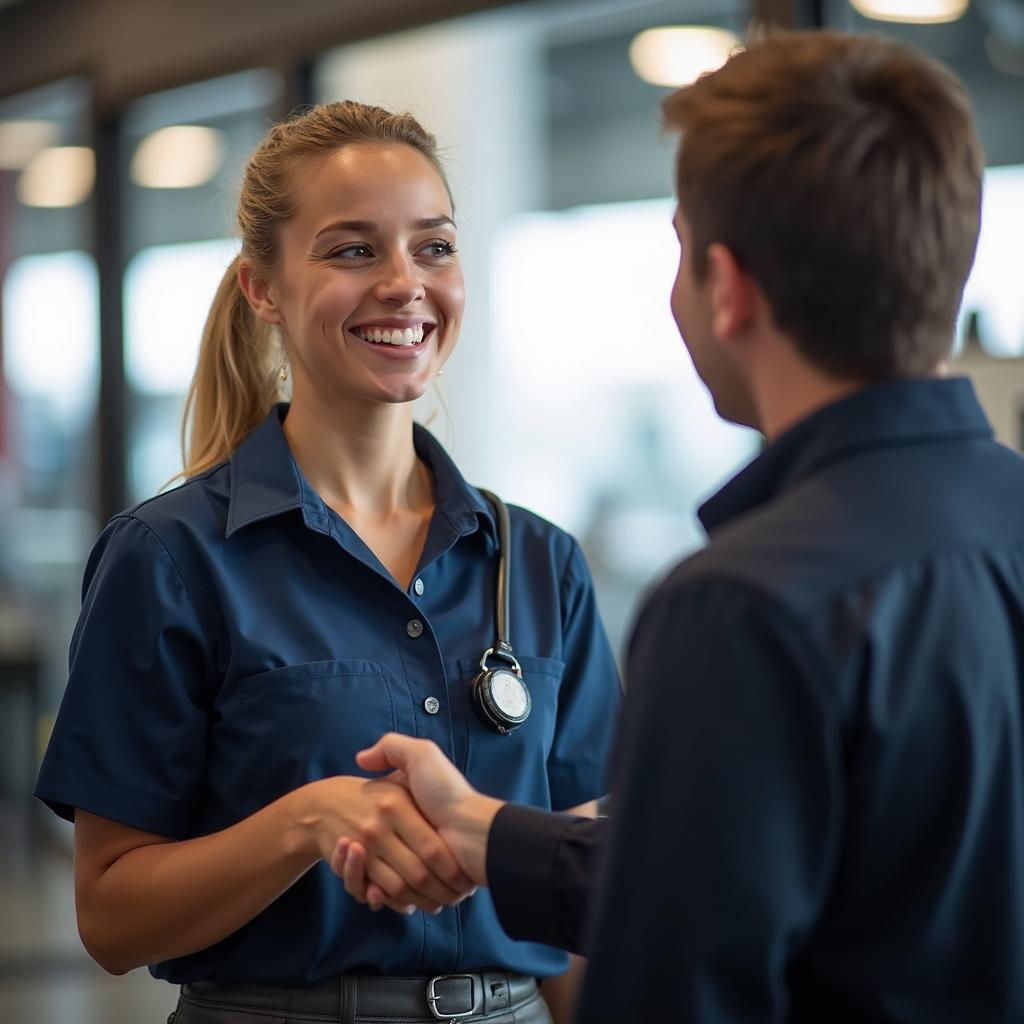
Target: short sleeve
129, 741
589, 698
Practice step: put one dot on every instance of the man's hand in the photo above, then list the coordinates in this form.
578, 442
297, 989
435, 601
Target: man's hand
461, 815
412, 863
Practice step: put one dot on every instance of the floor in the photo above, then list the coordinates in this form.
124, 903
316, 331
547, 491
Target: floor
46, 977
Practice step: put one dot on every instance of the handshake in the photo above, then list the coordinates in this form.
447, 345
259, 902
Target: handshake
424, 846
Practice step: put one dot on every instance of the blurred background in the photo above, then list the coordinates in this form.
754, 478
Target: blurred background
124, 128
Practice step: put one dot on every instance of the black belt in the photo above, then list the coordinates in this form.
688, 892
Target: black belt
445, 997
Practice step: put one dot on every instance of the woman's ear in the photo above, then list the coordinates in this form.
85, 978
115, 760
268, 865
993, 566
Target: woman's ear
259, 293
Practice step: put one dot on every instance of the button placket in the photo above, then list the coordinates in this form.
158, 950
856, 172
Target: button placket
420, 663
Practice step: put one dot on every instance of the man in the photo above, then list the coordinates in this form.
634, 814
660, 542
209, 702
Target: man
819, 788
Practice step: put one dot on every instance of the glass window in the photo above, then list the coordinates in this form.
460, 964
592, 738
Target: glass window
184, 154
49, 341
571, 393
612, 434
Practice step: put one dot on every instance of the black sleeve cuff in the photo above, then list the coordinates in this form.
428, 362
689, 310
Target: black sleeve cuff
539, 883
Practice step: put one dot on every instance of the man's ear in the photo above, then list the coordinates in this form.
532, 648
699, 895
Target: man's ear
731, 291
259, 294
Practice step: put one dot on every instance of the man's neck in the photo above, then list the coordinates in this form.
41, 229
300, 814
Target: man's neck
787, 389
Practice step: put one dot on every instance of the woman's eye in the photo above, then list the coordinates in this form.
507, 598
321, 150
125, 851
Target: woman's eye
439, 249
351, 252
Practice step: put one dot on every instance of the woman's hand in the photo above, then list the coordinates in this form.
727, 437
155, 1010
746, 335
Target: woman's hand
461, 815
410, 863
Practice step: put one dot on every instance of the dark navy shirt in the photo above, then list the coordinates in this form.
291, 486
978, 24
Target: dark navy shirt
818, 801
238, 640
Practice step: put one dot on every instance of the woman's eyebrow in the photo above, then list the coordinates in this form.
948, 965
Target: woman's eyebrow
368, 225
434, 222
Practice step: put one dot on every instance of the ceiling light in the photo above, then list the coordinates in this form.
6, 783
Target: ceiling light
21, 140
921, 12
58, 176
678, 55
180, 156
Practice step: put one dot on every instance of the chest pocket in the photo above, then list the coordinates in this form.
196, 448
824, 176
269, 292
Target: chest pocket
514, 767
306, 722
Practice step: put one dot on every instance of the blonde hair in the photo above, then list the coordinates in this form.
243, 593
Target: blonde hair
237, 378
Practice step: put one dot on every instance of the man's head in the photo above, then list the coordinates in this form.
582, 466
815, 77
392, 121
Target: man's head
832, 183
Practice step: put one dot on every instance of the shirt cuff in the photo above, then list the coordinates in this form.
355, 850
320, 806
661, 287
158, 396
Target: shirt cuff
522, 850
66, 790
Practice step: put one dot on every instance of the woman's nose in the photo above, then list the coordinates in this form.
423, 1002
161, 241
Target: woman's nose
399, 282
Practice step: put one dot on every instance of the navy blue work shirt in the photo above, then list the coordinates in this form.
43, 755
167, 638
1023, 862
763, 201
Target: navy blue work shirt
238, 640
819, 789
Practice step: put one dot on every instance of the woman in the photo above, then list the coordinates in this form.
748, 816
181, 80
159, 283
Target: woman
324, 575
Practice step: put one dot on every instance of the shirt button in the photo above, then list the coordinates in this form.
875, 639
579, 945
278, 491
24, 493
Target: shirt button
431, 705
414, 628
418, 588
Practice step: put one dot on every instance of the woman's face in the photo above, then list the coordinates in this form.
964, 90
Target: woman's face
368, 289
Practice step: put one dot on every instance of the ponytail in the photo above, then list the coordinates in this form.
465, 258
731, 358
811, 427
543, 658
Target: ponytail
236, 379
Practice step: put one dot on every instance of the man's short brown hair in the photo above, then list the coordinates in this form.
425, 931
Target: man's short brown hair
844, 173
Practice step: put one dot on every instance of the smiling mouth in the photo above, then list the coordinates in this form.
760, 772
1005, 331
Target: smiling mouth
402, 337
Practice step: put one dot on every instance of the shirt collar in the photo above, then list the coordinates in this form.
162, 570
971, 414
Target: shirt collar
897, 412
463, 505
266, 481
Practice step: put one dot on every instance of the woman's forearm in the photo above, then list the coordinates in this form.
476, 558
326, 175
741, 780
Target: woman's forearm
142, 898
167, 899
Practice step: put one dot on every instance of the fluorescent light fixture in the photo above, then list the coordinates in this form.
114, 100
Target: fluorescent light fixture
920, 12
679, 55
179, 156
21, 140
58, 176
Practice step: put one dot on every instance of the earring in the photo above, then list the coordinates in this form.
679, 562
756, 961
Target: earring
282, 374
440, 373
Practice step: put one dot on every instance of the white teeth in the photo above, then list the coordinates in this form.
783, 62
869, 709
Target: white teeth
393, 336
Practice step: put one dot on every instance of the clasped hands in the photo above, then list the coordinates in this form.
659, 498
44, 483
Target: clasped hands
423, 843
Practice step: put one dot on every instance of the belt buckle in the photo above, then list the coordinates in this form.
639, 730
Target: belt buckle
432, 997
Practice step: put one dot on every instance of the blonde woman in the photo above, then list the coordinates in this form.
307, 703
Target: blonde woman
324, 575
